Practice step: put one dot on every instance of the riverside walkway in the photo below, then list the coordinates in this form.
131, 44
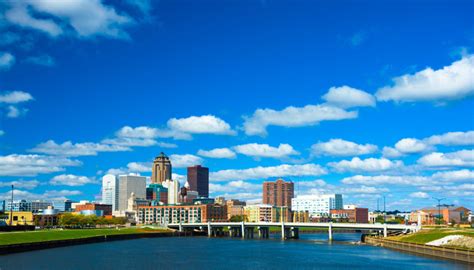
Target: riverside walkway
288, 229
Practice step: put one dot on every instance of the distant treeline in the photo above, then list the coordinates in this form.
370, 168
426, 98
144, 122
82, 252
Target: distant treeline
82, 221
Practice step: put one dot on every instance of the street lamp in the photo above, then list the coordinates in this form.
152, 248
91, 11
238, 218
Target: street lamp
439, 209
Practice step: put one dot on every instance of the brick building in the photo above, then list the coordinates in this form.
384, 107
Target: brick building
107, 208
181, 213
356, 215
278, 193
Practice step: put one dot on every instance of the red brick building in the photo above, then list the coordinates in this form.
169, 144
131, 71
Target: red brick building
195, 213
107, 208
357, 215
278, 193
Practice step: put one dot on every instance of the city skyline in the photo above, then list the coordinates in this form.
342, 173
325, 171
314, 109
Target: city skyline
319, 108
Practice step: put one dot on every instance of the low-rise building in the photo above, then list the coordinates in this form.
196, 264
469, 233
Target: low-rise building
300, 216
164, 214
47, 218
157, 193
106, 208
318, 206
281, 214
20, 218
235, 208
448, 214
353, 215
258, 213
33, 206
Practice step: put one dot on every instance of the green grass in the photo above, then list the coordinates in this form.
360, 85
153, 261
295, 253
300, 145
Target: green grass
9, 238
426, 236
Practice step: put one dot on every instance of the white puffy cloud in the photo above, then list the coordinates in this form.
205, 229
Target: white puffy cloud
265, 150
2, 132
142, 136
69, 149
206, 124
32, 165
347, 97
183, 161
217, 153
88, 18
387, 180
293, 117
138, 132
139, 166
71, 180
451, 176
6, 60
419, 195
411, 145
130, 142
47, 195
339, 147
15, 97
260, 172
452, 138
458, 158
234, 186
61, 193
451, 82
367, 165
390, 152
26, 184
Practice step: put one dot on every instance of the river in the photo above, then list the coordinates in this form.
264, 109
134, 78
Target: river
311, 251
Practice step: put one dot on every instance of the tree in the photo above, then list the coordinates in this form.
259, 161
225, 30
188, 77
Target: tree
238, 218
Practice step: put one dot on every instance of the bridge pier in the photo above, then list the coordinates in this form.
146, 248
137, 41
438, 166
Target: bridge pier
243, 230
249, 232
209, 232
385, 230
330, 231
263, 232
294, 233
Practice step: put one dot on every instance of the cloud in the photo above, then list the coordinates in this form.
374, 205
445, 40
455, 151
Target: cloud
347, 97
32, 165
138, 132
452, 138
69, 149
71, 180
366, 165
140, 136
6, 60
26, 184
419, 195
15, 97
47, 195
358, 38
145, 6
130, 142
449, 83
15, 112
450, 176
217, 153
459, 158
234, 186
309, 115
42, 60
61, 193
139, 166
387, 180
390, 152
339, 147
411, 145
183, 161
260, 172
86, 18
206, 124
2, 132
265, 150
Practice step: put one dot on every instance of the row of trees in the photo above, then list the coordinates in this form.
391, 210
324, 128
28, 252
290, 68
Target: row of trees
69, 220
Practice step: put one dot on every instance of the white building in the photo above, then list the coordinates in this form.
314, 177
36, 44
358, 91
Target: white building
110, 190
173, 190
317, 205
128, 184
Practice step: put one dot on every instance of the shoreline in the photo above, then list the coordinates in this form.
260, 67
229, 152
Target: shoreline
447, 253
31, 246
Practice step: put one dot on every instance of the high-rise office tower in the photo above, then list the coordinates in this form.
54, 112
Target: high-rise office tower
173, 190
198, 179
109, 190
161, 169
128, 184
278, 193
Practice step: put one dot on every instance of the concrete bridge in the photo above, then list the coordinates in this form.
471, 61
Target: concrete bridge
288, 229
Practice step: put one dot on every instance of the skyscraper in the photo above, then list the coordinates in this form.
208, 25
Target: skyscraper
109, 190
278, 193
128, 184
198, 179
161, 169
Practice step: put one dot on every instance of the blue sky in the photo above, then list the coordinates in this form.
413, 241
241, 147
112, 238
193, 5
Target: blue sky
366, 99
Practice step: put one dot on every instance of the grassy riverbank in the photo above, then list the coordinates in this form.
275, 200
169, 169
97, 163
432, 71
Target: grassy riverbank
9, 238
427, 235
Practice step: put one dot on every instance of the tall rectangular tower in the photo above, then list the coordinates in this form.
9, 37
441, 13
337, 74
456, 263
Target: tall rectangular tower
109, 190
278, 193
198, 179
128, 184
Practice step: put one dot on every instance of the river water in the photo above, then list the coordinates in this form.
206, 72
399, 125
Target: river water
311, 251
